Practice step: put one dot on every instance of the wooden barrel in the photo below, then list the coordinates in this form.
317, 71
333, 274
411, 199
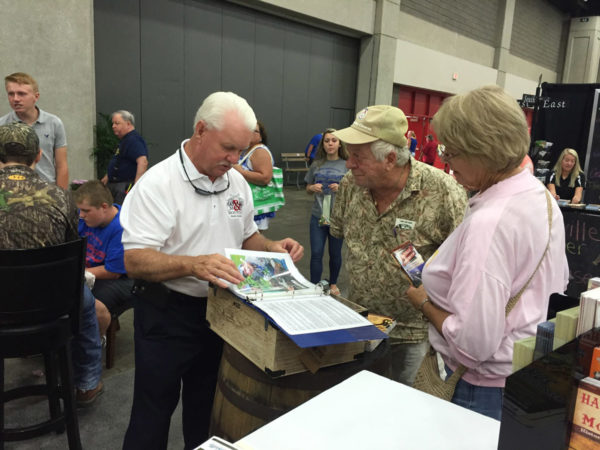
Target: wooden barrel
246, 398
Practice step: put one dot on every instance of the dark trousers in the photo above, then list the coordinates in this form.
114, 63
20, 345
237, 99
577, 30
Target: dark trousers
175, 352
119, 190
318, 238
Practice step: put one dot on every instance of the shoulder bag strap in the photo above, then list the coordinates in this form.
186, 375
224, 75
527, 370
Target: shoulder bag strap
513, 301
460, 370
247, 155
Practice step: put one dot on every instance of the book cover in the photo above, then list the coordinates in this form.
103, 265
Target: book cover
300, 309
585, 430
410, 261
595, 364
586, 344
384, 324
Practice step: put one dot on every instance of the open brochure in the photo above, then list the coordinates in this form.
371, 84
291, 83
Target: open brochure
411, 262
274, 286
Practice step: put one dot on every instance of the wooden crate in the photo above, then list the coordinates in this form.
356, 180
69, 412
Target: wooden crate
251, 334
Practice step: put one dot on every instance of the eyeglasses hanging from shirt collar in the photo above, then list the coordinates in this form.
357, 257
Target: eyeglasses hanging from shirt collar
196, 188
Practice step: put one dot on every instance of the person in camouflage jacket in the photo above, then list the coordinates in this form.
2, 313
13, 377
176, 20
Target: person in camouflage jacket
386, 199
33, 214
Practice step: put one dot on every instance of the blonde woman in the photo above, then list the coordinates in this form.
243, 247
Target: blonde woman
566, 180
492, 254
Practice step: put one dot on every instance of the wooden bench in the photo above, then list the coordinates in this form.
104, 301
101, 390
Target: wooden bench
294, 163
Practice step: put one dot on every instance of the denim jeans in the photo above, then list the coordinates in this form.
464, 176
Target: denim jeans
482, 399
318, 238
86, 348
406, 360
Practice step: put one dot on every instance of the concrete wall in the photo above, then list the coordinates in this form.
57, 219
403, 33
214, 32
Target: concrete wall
425, 55
354, 17
431, 66
53, 42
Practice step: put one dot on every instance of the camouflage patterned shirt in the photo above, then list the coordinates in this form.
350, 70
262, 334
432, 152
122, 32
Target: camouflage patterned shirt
430, 206
33, 213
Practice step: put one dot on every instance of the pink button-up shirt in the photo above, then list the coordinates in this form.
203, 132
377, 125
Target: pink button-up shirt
484, 262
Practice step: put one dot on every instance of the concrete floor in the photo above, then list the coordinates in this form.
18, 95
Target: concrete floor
291, 221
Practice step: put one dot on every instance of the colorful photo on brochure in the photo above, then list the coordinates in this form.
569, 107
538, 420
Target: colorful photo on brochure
265, 274
410, 261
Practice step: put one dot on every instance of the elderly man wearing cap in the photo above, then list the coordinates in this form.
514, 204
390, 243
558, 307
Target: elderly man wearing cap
35, 213
386, 199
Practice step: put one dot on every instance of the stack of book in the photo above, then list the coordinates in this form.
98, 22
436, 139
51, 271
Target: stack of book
523, 353
544, 338
586, 345
589, 311
566, 326
593, 283
526, 350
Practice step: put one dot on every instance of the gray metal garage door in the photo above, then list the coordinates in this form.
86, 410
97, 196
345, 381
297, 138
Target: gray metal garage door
160, 58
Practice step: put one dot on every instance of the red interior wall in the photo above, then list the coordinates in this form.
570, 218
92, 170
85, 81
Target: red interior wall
420, 105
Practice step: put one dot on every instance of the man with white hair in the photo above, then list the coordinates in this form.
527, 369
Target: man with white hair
386, 199
177, 221
130, 160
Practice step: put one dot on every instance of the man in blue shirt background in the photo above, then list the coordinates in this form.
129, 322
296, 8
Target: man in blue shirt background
130, 161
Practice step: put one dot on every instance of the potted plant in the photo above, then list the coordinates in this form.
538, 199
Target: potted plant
106, 143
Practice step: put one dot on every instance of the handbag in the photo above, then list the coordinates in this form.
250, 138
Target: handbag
428, 378
267, 198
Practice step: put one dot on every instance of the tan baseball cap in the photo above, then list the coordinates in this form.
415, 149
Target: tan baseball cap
384, 122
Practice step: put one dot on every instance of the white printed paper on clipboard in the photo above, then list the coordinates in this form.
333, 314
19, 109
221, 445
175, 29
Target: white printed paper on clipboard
410, 261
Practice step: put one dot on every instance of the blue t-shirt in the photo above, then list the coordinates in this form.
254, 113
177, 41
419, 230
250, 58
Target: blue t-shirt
123, 164
328, 173
104, 245
315, 143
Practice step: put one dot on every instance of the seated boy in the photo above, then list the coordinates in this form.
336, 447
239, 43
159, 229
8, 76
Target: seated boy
99, 222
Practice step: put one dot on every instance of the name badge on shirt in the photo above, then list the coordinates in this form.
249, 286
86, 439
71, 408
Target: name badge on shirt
404, 224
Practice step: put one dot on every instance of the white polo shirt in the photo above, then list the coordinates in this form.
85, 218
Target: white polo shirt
162, 212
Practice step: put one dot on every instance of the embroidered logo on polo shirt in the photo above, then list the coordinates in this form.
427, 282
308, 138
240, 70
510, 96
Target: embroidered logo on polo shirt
235, 203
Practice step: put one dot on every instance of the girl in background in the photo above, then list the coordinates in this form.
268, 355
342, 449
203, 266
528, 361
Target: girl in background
322, 180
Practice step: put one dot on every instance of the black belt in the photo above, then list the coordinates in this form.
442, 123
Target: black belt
159, 295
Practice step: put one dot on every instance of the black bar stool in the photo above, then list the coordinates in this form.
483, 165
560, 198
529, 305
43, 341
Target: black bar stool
39, 313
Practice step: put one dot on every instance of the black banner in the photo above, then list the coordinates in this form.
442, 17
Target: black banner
592, 168
564, 117
582, 240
